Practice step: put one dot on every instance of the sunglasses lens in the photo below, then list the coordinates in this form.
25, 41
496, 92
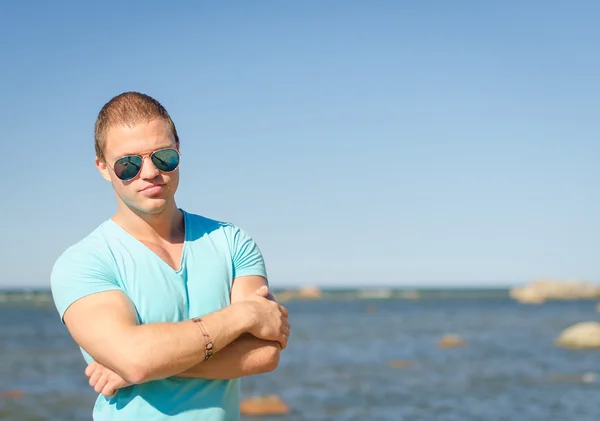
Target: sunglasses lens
166, 160
128, 167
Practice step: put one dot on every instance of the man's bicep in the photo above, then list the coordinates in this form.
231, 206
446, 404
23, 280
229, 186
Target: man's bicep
99, 321
243, 286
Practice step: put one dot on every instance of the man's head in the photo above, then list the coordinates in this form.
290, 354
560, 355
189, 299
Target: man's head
129, 129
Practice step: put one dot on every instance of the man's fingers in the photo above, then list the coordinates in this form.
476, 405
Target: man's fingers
263, 291
100, 385
285, 330
109, 390
283, 310
283, 340
95, 377
90, 368
285, 322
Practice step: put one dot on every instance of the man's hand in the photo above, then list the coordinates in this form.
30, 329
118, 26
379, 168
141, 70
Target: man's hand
269, 319
104, 380
248, 355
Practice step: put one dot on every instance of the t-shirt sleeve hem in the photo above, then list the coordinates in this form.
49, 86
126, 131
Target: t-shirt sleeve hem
251, 272
62, 309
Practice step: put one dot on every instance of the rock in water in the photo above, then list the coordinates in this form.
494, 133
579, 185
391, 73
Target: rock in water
400, 364
264, 405
451, 341
543, 290
14, 394
580, 335
310, 292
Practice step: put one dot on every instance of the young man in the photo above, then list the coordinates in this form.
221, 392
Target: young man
170, 309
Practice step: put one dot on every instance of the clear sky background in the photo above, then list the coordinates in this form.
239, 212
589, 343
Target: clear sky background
359, 142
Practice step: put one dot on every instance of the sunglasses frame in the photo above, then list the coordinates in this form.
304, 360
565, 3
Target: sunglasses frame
143, 158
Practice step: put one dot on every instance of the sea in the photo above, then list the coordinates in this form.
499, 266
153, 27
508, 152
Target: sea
353, 355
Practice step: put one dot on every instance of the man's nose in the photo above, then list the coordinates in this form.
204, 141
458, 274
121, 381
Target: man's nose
149, 170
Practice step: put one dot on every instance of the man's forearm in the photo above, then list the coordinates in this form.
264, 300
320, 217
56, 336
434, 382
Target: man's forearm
245, 356
164, 349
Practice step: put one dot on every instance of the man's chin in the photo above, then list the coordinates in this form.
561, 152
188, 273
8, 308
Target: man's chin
155, 208
152, 206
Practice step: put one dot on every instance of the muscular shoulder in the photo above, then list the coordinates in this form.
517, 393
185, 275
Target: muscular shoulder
83, 268
90, 250
245, 254
201, 226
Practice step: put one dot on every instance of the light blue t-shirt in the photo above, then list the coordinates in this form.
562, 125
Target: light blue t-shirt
109, 258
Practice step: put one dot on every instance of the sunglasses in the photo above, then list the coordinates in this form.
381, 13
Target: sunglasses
128, 167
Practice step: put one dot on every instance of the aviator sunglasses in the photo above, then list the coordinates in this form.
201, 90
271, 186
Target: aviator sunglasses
128, 167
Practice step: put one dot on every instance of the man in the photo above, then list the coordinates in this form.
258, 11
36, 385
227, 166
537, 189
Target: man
170, 309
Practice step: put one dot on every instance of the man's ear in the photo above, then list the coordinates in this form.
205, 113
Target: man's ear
103, 168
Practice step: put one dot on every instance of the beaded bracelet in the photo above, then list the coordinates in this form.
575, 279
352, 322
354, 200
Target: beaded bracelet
208, 346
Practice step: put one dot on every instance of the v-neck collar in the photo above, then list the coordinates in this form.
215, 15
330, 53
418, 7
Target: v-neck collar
131, 238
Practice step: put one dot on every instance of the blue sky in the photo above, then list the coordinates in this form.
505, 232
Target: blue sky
359, 143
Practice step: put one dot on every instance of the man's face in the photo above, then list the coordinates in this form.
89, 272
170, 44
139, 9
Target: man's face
151, 191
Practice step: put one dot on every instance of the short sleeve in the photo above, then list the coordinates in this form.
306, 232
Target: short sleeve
247, 257
79, 272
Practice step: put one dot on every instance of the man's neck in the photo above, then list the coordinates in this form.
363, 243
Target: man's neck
167, 225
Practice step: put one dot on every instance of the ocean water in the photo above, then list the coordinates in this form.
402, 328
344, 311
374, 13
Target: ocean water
337, 364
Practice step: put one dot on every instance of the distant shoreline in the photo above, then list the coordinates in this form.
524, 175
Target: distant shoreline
331, 289
43, 296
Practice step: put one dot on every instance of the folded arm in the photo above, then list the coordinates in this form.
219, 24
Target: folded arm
105, 325
247, 355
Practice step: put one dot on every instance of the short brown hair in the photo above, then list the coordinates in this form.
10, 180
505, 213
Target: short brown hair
127, 109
